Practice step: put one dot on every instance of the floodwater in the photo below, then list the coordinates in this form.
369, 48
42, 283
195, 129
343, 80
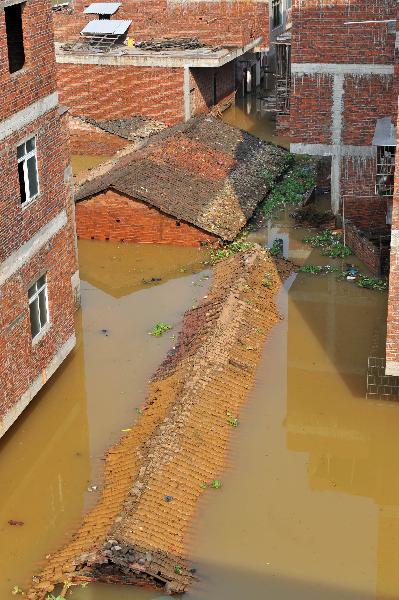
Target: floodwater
54, 452
248, 113
84, 162
310, 508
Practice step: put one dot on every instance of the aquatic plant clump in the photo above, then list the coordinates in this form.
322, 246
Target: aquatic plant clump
300, 178
351, 274
239, 245
159, 329
330, 242
372, 283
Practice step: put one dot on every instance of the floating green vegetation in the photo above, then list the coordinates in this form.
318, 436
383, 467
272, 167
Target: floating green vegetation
16, 590
300, 178
277, 247
231, 419
239, 245
159, 329
216, 484
330, 242
351, 274
372, 283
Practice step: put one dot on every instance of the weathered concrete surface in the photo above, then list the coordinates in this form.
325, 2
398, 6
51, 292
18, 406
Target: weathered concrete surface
135, 535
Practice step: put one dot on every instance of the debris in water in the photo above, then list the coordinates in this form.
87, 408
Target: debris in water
168, 498
17, 590
16, 523
104, 332
152, 280
92, 488
159, 329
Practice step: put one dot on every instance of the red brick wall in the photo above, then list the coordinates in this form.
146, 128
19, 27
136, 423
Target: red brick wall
21, 362
104, 92
311, 104
113, 216
37, 78
320, 36
202, 82
88, 139
392, 347
363, 248
362, 205
231, 23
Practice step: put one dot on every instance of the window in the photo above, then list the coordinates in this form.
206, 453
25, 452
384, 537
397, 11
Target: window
38, 306
277, 13
385, 170
27, 170
15, 37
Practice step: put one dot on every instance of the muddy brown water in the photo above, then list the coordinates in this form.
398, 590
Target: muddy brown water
54, 452
309, 508
83, 162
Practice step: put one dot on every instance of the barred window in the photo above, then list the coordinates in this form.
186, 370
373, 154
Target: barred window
385, 170
38, 306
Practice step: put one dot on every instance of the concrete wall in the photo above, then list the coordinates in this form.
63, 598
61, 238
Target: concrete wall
115, 217
38, 237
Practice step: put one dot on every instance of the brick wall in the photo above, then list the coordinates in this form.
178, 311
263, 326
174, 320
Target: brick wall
392, 346
338, 109
205, 82
88, 139
104, 92
363, 248
115, 217
231, 23
22, 361
37, 79
361, 204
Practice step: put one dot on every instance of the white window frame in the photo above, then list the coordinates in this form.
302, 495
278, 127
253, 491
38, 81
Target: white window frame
24, 159
35, 296
278, 3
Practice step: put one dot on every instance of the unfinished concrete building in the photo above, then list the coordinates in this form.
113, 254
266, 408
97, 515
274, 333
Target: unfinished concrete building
39, 279
164, 60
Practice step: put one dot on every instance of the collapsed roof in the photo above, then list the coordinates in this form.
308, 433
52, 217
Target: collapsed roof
205, 172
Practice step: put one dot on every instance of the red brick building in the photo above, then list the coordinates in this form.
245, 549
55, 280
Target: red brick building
344, 99
168, 84
39, 279
193, 184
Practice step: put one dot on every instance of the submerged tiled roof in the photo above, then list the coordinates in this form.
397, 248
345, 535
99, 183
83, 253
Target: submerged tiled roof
205, 172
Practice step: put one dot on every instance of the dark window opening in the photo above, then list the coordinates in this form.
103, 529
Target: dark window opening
277, 13
15, 37
104, 17
385, 170
178, 223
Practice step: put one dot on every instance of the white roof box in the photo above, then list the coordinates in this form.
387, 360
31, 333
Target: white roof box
102, 8
106, 27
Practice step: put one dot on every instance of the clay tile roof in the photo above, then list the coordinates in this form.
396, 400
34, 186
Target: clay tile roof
205, 172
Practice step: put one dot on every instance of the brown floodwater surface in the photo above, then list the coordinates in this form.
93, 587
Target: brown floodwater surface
83, 162
54, 452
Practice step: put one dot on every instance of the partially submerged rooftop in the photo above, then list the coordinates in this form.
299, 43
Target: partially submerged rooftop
204, 172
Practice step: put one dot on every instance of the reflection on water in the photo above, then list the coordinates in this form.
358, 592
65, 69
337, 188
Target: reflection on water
248, 113
54, 451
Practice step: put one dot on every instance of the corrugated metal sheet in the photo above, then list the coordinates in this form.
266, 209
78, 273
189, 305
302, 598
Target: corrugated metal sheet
102, 8
106, 27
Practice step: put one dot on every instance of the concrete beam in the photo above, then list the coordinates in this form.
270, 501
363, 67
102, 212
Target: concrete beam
140, 58
36, 385
27, 115
341, 69
333, 150
17, 259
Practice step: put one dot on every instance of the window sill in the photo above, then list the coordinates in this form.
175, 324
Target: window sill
27, 203
42, 334
20, 72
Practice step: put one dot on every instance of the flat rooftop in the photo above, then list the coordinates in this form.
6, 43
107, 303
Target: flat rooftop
121, 54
